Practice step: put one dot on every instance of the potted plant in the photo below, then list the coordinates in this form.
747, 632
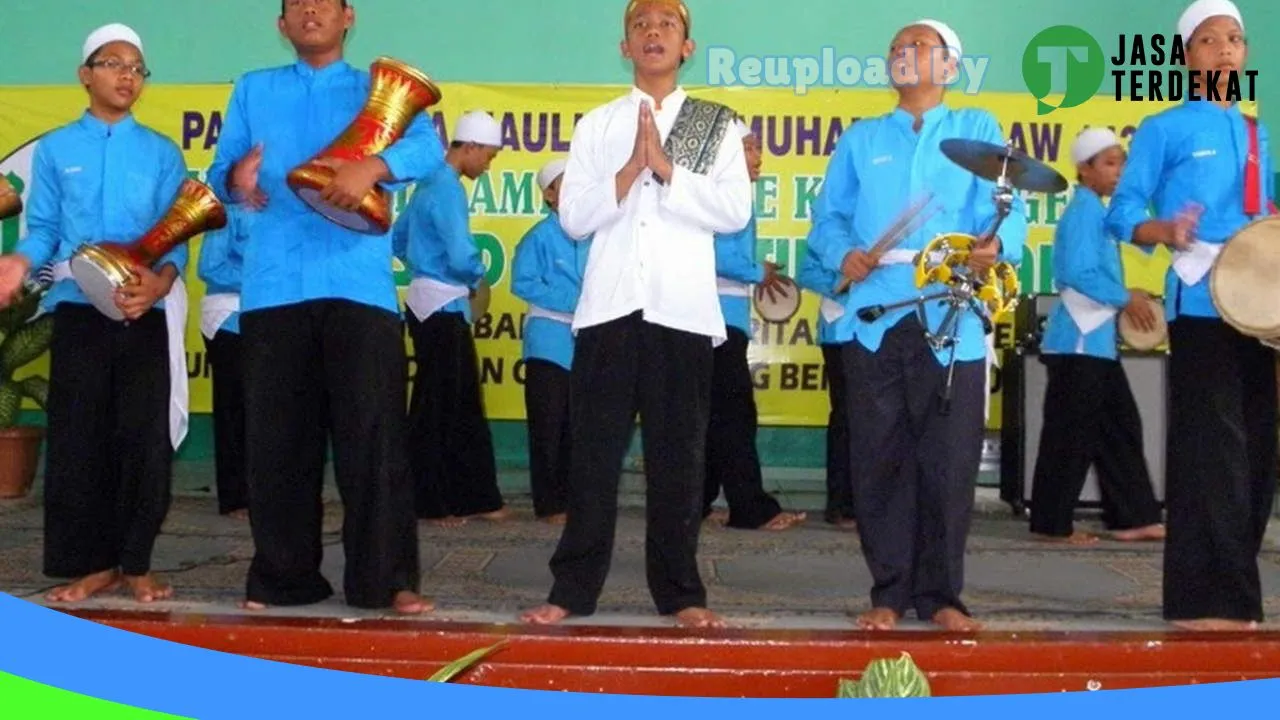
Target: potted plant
23, 338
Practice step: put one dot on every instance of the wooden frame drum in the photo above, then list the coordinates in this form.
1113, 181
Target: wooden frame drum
1245, 281
782, 307
1141, 340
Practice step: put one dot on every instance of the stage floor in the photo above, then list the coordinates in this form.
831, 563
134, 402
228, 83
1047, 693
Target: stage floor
807, 578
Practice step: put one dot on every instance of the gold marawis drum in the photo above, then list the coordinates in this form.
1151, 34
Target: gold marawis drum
1145, 340
101, 270
1245, 281
10, 200
397, 94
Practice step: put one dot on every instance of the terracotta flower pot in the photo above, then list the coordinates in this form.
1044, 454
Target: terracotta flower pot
19, 457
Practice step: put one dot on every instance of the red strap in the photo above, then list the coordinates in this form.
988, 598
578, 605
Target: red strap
1252, 174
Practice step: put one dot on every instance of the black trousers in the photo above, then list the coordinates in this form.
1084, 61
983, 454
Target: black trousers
619, 368
839, 467
1090, 419
914, 492
546, 400
1222, 470
733, 462
223, 352
450, 444
109, 463
310, 368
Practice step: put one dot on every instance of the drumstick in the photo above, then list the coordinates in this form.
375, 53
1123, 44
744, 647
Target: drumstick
893, 237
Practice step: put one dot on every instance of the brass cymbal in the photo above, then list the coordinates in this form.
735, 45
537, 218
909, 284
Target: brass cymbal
987, 160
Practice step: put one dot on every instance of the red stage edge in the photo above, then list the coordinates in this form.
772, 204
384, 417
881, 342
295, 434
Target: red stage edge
724, 663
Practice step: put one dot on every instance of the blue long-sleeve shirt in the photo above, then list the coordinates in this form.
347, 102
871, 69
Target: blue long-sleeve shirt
296, 254
222, 259
1190, 153
1086, 259
94, 182
736, 262
433, 236
879, 165
547, 273
811, 276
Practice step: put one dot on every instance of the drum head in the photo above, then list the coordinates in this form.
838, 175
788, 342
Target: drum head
782, 307
1243, 282
1144, 340
97, 285
349, 220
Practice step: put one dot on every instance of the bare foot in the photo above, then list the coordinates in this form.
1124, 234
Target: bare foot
252, 606
718, 518
500, 515
699, 618
147, 589
784, 521
411, 603
556, 519
1075, 538
448, 522
953, 620
878, 619
86, 587
241, 514
544, 615
847, 524
1142, 534
1216, 625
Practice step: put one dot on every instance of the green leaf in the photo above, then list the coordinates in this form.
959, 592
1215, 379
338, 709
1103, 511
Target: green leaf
10, 403
36, 388
898, 678
26, 344
462, 664
16, 315
847, 689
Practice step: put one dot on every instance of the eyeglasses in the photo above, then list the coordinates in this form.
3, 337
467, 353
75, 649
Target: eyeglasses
122, 68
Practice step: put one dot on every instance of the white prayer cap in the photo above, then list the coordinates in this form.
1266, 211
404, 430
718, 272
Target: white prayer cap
744, 130
115, 32
479, 127
1090, 142
949, 36
550, 172
1202, 10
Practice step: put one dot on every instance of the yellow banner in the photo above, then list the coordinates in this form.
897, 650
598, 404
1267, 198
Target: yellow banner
798, 134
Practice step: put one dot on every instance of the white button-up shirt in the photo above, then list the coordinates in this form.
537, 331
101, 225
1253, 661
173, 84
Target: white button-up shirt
654, 252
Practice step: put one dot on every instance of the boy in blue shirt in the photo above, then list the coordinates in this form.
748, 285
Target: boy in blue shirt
1090, 416
1222, 384
547, 273
733, 462
918, 459
451, 446
320, 319
221, 261
107, 482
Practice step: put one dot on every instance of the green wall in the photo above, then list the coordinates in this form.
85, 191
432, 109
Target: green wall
571, 42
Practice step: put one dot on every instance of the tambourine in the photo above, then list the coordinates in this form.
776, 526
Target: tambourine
944, 260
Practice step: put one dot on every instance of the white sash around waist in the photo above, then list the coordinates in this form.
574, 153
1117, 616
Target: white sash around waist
215, 309
427, 296
831, 310
175, 317
1087, 313
734, 288
1192, 264
535, 311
